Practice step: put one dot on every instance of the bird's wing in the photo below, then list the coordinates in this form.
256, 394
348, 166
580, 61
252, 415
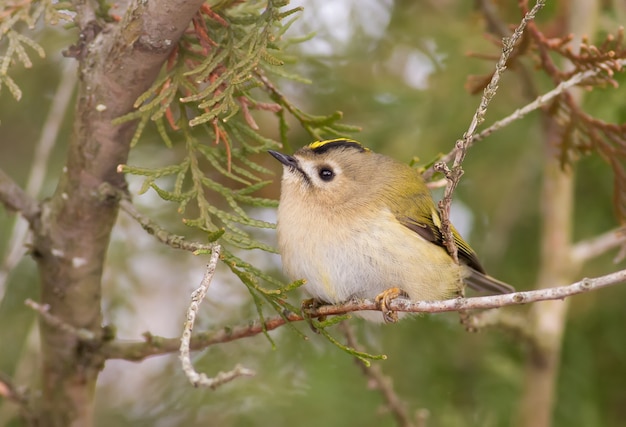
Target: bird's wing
428, 226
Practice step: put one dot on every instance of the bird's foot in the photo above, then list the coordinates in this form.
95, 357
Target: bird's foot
384, 299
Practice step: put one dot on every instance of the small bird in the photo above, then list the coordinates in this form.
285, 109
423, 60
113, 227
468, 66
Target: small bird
357, 224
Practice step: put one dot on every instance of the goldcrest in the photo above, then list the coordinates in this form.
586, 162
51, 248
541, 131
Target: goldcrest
357, 224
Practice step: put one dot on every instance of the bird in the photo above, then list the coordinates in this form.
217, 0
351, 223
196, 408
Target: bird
355, 224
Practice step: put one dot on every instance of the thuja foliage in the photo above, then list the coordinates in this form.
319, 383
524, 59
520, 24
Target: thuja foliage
221, 70
15, 46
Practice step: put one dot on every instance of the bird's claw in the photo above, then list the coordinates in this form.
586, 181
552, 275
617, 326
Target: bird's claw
384, 299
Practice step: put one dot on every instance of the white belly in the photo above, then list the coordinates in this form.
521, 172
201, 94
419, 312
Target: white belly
365, 258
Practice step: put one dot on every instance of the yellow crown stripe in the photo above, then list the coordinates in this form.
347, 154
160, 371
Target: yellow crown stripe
318, 146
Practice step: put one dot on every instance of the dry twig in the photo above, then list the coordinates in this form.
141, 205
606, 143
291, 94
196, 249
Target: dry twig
200, 379
380, 381
52, 320
539, 102
454, 174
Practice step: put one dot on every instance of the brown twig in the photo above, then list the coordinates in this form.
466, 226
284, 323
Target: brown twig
539, 102
39, 166
157, 345
52, 320
12, 393
515, 323
14, 198
162, 235
381, 382
454, 174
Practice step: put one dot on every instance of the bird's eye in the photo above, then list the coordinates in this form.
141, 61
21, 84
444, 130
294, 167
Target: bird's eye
326, 174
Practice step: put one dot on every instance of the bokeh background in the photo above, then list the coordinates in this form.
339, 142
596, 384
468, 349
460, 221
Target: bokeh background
398, 69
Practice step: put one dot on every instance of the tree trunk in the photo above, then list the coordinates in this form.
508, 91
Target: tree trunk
71, 237
548, 319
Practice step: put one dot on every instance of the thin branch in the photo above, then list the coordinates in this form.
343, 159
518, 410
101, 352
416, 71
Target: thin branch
162, 235
515, 323
539, 102
592, 248
12, 393
200, 379
15, 199
50, 319
454, 174
38, 169
153, 345
381, 382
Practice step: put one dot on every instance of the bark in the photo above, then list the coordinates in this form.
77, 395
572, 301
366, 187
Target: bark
72, 234
548, 319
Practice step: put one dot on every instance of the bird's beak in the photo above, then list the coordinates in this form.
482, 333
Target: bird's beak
285, 159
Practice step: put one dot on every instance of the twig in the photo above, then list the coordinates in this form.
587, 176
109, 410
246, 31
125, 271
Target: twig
15, 199
12, 393
155, 345
539, 102
52, 320
200, 379
454, 174
39, 166
515, 323
162, 235
381, 381
592, 248
136, 351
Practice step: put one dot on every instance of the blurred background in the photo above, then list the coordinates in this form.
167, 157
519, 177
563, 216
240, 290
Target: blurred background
398, 69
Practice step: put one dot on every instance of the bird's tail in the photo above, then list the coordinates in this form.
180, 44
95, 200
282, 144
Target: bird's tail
482, 282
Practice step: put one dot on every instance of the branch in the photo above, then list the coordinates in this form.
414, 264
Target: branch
39, 166
381, 382
539, 102
162, 235
592, 248
200, 379
44, 312
116, 65
15, 199
454, 175
514, 323
153, 345
12, 393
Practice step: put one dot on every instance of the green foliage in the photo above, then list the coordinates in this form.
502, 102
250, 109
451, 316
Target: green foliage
216, 75
14, 44
321, 327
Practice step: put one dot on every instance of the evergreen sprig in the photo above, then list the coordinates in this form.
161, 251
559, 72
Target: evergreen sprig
214, 78
15, 46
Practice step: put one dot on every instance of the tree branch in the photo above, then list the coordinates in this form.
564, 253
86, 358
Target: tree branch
454, 174
539, 102
594, 247
44, 312
116, 65
39, 167
381, 381
14, 198
200, 379
162, 235
153, 345
12, 393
